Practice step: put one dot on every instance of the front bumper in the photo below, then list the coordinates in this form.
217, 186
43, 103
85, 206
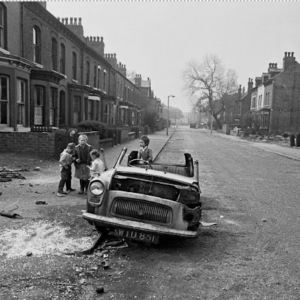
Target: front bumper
111, 222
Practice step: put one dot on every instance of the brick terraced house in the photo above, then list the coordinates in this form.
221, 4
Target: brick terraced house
52, 75
272, 106
275, 100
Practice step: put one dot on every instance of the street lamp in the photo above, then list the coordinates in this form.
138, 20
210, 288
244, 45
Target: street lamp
168, 115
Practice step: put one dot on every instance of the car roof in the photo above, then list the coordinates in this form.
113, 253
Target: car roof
148, 171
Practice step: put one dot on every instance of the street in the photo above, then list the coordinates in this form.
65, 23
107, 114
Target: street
251, 253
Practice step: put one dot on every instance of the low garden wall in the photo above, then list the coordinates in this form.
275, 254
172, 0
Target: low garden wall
37, 143
51, 144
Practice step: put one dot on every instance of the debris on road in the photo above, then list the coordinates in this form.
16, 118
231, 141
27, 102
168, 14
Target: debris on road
100, 290
41, 202
10, 213
206, 224
105, 265
8, 175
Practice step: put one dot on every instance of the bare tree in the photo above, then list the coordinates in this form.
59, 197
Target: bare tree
208, 82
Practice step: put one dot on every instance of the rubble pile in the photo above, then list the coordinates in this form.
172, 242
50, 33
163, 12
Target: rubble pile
8, 175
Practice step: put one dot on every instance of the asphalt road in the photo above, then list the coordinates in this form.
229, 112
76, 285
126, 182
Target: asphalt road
253, 196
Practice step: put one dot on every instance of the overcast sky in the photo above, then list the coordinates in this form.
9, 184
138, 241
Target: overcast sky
157, 39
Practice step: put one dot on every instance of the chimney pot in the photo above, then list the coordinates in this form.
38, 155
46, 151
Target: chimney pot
79, 21
94, 39
101, 39
285, 54
292, 54
75, 21
66, 20
97, 38
115, 55
71, 21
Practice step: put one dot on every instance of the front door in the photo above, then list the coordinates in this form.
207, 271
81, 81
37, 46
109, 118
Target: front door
4, 100
62, 108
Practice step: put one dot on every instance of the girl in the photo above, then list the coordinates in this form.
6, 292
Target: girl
145, 153
82, 161
97, 167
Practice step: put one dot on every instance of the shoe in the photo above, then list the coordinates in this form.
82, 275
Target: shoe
70, 190
62, 194
80, 192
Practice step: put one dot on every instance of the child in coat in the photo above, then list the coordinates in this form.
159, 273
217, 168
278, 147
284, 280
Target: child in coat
97, 167
65, 162
145, 153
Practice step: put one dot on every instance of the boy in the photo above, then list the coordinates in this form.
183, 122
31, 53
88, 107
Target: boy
145, 153
65, 162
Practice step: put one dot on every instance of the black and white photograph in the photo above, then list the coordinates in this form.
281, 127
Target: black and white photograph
149, 150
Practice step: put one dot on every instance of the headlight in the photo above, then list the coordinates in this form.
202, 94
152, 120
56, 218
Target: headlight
97, 188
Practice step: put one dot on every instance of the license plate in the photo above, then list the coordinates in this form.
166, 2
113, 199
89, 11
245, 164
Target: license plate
137, 235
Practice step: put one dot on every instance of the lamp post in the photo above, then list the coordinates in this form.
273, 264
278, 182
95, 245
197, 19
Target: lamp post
168, 115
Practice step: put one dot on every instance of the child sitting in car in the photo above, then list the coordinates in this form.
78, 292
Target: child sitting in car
145, 153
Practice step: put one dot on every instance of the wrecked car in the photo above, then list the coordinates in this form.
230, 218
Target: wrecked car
144, 202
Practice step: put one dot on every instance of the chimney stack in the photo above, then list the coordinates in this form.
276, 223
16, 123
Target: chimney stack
250, 85
258, 81
75, 27
289, 61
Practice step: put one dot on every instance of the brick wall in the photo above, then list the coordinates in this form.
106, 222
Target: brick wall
37, 143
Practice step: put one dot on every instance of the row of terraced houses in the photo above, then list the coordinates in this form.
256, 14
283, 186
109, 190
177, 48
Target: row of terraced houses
271, 104
52, 75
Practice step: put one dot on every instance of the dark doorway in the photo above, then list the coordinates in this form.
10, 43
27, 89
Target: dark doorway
62, 108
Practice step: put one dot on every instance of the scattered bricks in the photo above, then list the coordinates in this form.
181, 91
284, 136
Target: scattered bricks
100, 290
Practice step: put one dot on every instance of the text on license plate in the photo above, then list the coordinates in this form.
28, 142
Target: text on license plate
137, 235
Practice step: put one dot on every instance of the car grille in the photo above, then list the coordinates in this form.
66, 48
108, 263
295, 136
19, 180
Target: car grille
141, 210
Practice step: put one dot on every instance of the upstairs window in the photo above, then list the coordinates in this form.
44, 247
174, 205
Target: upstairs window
95, 76
74, 65
2, 26
99, 78
253, 102
54, 54
87, 73
259, 101
104, 80
36, 44
62, 59
267, 99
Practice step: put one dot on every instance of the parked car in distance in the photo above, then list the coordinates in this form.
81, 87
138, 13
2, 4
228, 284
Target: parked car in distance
144, 202
192, 125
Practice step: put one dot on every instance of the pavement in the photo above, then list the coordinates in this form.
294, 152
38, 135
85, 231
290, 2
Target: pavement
286, 151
